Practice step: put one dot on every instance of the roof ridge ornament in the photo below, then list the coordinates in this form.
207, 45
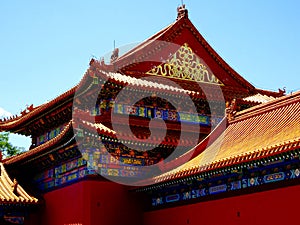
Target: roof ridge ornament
230, 110
114, 55
182, 11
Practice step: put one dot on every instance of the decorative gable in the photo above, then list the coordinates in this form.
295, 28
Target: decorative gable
184, 64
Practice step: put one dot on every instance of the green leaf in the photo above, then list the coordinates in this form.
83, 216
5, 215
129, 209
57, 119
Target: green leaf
6, 147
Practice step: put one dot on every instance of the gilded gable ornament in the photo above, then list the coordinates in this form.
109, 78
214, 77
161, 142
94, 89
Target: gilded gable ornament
184, 64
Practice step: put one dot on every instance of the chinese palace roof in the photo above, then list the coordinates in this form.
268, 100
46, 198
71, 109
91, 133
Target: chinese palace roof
126, 70
256, 133
11, 192
143, 60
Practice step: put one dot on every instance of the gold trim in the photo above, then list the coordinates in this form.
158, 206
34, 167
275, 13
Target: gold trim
185, 65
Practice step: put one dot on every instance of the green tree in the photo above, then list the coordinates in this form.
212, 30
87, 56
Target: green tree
6, 147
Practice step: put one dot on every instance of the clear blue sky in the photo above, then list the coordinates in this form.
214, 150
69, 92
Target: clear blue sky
45, 46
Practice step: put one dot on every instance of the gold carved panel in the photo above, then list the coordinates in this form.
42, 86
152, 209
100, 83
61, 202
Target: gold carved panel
184, 64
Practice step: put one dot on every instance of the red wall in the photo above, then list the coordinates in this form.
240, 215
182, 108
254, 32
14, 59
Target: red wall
65, 205
274, 207
92, 202
100, 202
113, 204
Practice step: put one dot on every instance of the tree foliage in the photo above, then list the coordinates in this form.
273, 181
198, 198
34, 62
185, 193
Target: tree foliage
6, 147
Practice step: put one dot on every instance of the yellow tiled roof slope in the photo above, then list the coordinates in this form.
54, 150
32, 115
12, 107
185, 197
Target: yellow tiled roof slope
11, 192
261, 131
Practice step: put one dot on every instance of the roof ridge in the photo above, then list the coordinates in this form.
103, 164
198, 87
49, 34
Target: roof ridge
216, 57
169, 34
267, 106
145, 41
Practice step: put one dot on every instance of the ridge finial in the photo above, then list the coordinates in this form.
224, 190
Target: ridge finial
182, 11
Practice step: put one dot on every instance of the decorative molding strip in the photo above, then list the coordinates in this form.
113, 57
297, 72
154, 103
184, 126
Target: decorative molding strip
196, 188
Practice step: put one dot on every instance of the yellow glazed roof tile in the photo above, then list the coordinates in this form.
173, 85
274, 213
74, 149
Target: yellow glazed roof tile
259, 132
11, 191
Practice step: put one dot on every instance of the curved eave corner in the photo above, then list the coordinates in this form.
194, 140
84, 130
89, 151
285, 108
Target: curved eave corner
11, 192
41, 148
15, 122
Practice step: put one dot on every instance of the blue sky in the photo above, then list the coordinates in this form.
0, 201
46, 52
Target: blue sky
45, 46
